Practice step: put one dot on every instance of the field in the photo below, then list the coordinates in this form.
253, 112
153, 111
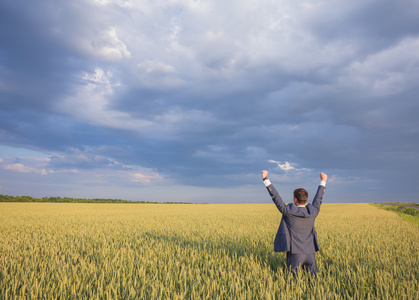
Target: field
185, 251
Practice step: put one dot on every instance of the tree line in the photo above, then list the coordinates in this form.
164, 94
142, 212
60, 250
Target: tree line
7, 198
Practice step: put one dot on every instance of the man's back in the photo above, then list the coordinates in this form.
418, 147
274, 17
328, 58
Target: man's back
296, 234
301, 224
301, 228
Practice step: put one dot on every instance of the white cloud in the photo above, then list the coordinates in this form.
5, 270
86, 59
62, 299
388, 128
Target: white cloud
286, 166
109, 46
85, 164
100, 80
39, 168
145, 178
21, 168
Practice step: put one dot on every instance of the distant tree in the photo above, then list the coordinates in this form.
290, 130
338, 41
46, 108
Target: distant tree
7, 198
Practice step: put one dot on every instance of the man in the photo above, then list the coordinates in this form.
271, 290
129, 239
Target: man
296, 234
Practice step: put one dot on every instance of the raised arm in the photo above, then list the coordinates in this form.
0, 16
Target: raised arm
274, 193
317, 201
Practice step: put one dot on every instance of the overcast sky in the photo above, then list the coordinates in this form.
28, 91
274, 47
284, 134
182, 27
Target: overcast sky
183, 100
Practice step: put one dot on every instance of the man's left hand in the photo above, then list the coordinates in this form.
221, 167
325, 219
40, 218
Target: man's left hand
264, 174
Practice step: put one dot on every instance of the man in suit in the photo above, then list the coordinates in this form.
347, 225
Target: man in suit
296, 234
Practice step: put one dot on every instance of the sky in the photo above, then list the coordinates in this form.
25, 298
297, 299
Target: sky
183, 100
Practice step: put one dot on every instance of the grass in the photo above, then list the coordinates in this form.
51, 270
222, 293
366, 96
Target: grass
129, 251
408, 211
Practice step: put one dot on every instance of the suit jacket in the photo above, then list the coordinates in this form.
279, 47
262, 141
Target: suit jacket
296, 233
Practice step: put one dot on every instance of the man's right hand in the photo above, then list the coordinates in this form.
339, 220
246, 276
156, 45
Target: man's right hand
264, 174
323, 177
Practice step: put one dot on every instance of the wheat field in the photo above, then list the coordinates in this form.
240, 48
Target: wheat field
206, 251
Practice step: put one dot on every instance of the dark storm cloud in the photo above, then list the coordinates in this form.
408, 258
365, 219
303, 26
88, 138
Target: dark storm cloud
36, 67
374, 20
132, 93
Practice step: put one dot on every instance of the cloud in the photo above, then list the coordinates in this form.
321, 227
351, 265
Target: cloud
83, 164
142, 178
387, 72
286, 166
158, 75
156, 68
122, 3
109, 47
35, 166
24, 169
92, 102
183, 92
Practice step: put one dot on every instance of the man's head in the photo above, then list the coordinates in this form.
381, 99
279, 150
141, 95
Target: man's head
300, 196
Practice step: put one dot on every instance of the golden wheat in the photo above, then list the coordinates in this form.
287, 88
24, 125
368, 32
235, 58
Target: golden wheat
152, 251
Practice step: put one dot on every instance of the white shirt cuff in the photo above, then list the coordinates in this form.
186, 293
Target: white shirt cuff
267, 182
323, 183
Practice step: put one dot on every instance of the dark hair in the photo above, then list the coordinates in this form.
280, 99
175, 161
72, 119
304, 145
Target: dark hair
301, 195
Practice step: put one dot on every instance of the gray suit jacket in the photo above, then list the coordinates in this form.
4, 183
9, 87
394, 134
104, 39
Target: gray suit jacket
296, 232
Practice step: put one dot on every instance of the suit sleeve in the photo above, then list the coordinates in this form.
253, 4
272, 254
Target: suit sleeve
282, 207
317, 201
